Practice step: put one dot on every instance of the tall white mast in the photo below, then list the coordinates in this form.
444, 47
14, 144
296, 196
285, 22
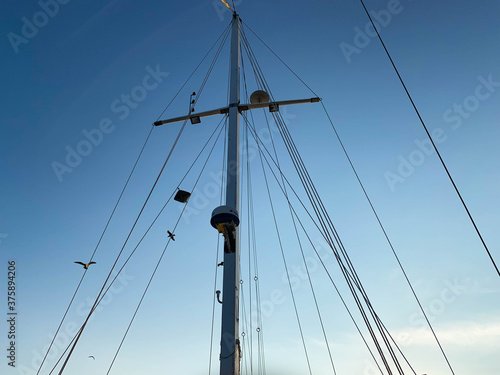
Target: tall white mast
226, 220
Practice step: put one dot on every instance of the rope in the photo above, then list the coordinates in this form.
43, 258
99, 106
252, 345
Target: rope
250, 226
143, 236
123, 247
279, 58
260, 144
118, 201
330, 232
216, 57
435, 148
161, 257
302, 251
216, 267
286, 267
95, 250
194, 71
226, 32
385, 234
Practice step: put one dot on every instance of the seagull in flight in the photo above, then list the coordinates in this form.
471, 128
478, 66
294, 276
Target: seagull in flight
85, 265
171, 235
91, 356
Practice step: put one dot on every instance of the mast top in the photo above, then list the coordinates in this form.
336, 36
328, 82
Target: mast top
229, 7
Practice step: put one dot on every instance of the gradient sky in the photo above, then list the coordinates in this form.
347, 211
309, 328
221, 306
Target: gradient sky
65, 78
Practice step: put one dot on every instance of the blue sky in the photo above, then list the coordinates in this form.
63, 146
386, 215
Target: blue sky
63, 107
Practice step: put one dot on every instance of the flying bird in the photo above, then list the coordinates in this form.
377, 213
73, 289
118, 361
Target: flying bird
91, 356
85, 265
171, 235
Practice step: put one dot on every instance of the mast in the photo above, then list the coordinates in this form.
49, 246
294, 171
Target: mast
225, 218
228, 225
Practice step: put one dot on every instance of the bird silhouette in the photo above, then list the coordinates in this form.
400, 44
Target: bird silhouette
171, 235
85, 265
91, 356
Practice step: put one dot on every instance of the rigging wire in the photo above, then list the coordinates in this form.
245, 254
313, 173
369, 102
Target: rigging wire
226, 31
216, 264
269, 48
387, 237
286, 267
369, 201
249, 239
302, 252
330, 231
123, 247
243, 327
162, 254
95, 250
212, 65
313, 246
199, 92
151, 225
146, 232
249, 201
97, 246
261, 362
261, 83
261, 145
348, 278
433, 145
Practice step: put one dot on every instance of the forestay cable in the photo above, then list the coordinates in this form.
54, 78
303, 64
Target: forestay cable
144, 235
386, 236
435, 148
286, 268
368, 199
262, 148
330, 232
161, 257
302, 252
216, 264
226, 31
317, 254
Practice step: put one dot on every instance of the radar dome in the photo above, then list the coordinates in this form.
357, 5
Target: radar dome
259, 96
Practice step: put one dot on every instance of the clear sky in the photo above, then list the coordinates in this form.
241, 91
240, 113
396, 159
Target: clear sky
70, 138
